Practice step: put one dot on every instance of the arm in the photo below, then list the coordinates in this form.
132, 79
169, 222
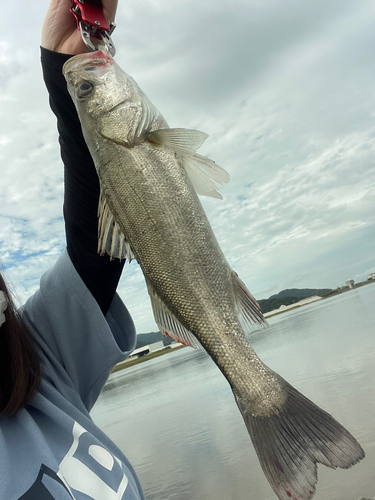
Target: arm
100, 275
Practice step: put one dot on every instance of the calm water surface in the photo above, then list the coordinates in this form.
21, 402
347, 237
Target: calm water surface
175, 418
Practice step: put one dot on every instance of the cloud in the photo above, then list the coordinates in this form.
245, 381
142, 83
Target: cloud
285, 92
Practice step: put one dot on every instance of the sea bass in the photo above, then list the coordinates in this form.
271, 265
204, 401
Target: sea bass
150, 178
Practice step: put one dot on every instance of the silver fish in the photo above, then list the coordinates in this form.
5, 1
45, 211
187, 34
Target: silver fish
149, 209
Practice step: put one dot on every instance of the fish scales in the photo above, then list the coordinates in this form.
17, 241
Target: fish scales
149, 225
149, 209
194, 281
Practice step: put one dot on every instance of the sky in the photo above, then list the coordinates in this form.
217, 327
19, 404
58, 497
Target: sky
285, 91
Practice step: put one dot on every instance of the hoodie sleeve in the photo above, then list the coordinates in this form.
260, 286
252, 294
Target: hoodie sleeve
79, 346
81, 194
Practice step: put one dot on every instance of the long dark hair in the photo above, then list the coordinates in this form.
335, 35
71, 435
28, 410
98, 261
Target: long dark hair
19, 360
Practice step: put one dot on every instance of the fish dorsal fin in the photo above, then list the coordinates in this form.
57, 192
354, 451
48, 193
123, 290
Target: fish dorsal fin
168, 324
111, 239
181, 140
203, 173
249, 312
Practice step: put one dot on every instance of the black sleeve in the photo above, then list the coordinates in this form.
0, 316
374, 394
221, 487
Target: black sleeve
81, 195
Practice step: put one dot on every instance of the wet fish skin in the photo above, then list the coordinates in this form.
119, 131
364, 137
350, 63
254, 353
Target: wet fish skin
149, 175
150, 195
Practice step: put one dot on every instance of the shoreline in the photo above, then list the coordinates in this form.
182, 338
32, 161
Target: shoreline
147, 357
315, 298
301, 303
275, 312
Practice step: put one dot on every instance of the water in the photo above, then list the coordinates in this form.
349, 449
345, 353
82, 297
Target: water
174, 417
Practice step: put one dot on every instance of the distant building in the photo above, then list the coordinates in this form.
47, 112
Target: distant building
146, 349
371, 276
350, 283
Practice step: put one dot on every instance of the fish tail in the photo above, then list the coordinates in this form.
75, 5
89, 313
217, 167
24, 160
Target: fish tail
296, 437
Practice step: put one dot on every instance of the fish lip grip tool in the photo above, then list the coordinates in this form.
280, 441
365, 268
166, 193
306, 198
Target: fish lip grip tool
92, 24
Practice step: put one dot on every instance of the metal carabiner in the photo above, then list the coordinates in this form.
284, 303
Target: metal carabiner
92, 24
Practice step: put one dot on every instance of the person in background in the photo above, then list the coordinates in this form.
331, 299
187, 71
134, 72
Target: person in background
58, 350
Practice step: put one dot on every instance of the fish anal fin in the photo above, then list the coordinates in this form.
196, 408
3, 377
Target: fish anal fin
111, 239
169, 325
249, 311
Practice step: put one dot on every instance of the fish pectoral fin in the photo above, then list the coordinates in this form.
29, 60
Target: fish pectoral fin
249, 311
203, 173
181, 140
111, 239
168, 324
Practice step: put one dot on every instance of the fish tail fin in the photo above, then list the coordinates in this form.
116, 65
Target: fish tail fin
291, 442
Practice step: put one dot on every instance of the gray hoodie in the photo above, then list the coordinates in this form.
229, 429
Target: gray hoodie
52, 450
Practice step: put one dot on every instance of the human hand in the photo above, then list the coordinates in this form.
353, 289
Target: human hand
60, 32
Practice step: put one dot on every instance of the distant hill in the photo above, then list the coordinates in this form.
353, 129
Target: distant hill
301, 293
285, 297
149, 338
288, 297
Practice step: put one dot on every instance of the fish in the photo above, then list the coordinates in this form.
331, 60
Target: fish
150, 178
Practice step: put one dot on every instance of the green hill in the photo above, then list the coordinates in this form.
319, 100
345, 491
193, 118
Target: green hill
301, 293
285, 297
288, 297
149, 338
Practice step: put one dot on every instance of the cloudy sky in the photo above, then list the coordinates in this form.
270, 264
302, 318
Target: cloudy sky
285, 91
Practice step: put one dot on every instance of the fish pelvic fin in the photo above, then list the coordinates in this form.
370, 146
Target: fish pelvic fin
202, 172
291, 442
168, 324
111, 239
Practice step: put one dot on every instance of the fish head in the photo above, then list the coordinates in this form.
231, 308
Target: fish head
107, 103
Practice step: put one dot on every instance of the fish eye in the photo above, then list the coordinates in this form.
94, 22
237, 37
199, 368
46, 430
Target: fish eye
85, 89
90, 68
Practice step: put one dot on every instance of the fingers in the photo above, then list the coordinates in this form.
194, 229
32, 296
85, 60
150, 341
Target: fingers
58, 24
109, 9
60, 33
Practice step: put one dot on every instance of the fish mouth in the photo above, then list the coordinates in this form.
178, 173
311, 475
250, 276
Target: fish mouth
80, 61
